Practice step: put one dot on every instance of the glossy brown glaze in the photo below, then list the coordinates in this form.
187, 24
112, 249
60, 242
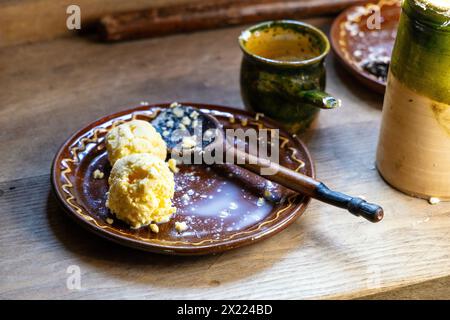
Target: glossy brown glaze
213, 225
354, 40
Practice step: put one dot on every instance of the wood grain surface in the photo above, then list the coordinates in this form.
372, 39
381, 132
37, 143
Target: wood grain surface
26, 21
204, 15
50, 89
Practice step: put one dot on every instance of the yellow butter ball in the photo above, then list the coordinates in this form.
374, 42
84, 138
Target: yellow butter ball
141, 190
136, 136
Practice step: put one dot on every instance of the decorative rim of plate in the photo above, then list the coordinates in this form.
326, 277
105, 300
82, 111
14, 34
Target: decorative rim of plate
100, 127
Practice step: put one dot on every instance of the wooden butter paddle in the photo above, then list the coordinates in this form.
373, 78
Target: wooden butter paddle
286, 177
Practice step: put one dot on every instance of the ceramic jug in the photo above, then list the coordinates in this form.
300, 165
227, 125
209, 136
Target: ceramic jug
414, 145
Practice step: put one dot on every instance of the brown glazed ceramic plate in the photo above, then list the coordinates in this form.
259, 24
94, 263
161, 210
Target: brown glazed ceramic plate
354, 41
212, 226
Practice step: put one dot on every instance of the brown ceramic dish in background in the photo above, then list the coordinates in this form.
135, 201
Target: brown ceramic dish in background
212, 227
353, 42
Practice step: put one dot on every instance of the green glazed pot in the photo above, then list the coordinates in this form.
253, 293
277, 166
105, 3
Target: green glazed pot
287, 88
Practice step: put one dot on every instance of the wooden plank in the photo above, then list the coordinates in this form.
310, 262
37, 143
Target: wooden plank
438, 289
25, 21
326, 253
51, 89
202, 15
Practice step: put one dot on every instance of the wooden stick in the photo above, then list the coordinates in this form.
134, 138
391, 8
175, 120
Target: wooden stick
291, 179
309, 186
208, 15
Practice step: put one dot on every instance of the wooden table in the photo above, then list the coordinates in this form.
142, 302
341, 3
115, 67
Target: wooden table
50, 89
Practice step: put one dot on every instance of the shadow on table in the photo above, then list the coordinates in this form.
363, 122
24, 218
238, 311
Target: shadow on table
371, 98
168, 271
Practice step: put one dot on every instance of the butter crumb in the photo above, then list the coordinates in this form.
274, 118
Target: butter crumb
194, 114
434, 200
188, 142
165, 220
267, 194
109, 220
209, 134
180, 226
174, 104
154, 228
173, 165
98, 174
178, 112
186, 121
260, 202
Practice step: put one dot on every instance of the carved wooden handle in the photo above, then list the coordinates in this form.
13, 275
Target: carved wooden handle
310, 187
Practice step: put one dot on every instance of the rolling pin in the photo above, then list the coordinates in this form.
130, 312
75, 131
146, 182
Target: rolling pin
203, 15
